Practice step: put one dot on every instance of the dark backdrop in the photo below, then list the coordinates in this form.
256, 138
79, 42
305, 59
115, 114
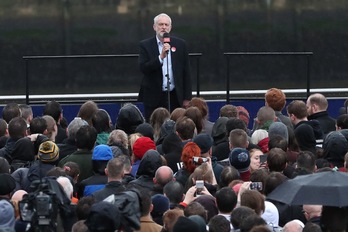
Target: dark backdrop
212, 27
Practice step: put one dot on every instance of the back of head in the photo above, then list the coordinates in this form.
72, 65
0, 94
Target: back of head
195, 208
276, 160
86, 137
239, 214
293, 226
170, 217
174, 191
342, 121
103, 216
196, 116
129, 117
185, 128
3, 127
48, 152
243, 114
149, 163
249, 222
254, 200
158, 117
26, 112
298, 109
74, 126
228, 174
146, 130
189, 151
101, 121
87, 110
226, 200
164, 175
83, 207
238, 138
278, 141
275, 98
177, 113
219, 129
219, 223
10, 111
201, 104
229, 111
53, 109
306, 160
184, 224
273, 181
319, 100
17, 128
38, 125
115, 168
265, 114
235, 123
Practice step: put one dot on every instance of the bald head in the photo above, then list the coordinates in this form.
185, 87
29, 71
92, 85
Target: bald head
312, 211
163, 175
316, 103
293, 226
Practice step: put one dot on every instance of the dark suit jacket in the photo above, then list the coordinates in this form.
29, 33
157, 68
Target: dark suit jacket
151, 85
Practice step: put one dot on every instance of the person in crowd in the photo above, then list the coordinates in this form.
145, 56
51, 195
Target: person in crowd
85, 140
335, 147
114, 172
38, 125
145, 129
265, 117
100, 157
147, 169
193, 113
244, 115
167, 128
219, 223
4, 135
255, 162
158, 117
189, 151
7, 219
240, 159
228, 111
261, 139
276, 160
220, 137
10, 111
170, 217
69, 145
161, 61
239, 214
205, 143
160, 206
177, 113
293, 226
228, 174
312, 213
226, 201
305, 163
163, 176
55, 110
174, 191
342, 122
306, 132
202, 105
333, 218
128, 118
185, 129
101, 121
276, 99
52, 129
140, 147
317, 105
26, 113
172, 148
118, 141
87, 110
185, 224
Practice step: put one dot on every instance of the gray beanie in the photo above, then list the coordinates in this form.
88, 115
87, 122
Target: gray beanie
278, 128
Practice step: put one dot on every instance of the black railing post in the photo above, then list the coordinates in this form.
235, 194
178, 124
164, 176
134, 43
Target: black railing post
228, 80
308, 76
26, 81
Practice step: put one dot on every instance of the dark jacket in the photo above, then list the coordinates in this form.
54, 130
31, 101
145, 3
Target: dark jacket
335, 147
112, 187
129, 117
306, 133
172, 149
66, 148
327, 124
147, 169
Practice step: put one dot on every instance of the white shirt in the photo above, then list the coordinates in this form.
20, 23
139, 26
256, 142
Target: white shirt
165, 70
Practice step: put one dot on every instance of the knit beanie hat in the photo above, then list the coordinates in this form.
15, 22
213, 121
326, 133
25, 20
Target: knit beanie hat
102, 152
7, 218
278, 128
160, 203
240, 159
243, 114
142, 145
145, 129
48, 152
204, 141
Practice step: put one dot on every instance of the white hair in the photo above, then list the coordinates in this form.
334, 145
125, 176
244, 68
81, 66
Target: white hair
162, 15
66, 185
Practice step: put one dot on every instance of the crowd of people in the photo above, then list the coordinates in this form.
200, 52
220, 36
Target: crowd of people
178, 171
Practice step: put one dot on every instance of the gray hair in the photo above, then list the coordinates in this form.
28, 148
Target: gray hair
162, 15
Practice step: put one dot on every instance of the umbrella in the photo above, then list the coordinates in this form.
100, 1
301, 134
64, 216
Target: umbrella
324, 188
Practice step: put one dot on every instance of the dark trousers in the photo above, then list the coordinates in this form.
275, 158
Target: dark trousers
163, 102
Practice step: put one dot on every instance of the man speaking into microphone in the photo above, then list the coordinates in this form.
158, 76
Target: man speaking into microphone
164, 62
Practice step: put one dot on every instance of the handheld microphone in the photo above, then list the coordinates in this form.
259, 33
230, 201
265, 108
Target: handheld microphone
166, 38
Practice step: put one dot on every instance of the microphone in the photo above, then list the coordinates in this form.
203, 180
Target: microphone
166, 38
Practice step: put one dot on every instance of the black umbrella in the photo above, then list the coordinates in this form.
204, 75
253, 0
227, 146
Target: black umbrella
324, 188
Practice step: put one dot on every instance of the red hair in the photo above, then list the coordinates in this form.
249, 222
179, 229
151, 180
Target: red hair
190, 150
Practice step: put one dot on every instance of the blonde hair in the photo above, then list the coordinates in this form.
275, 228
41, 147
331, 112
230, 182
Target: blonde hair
118, 137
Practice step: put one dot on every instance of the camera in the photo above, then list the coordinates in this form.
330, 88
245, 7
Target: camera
256, 186
199, 160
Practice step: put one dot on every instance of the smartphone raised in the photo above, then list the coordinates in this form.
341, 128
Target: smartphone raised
199, 187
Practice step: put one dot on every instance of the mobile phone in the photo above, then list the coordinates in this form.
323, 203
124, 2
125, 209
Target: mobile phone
199, 187
199, 160
263, 159
256, 186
